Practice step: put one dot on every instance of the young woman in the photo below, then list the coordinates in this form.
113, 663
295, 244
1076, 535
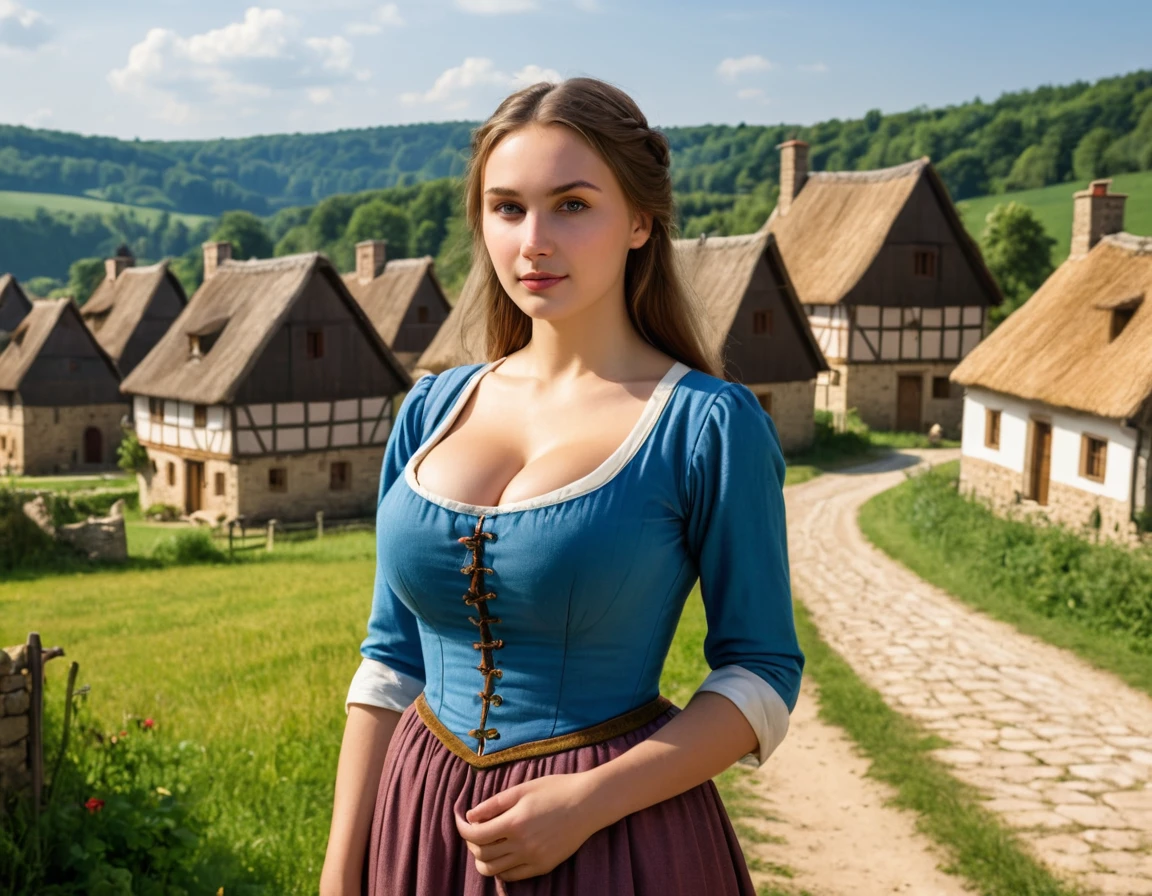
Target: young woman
542, 518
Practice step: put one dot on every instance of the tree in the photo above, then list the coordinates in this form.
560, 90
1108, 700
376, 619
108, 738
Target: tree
1018, 253
246, 233
380, 220
83, 278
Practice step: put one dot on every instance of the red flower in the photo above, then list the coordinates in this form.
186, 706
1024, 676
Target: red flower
148, 723
123, 733
94, 805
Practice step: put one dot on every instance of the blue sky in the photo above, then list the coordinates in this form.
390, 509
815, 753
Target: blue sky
173, 69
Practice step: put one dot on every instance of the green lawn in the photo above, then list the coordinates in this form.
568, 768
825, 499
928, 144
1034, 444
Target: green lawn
1053, 206
15, 204
110, 481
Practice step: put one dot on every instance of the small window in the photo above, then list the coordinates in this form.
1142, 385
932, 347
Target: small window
171, 473
1093, 455
315, 344
924, 264
340, 476
219, 485
3, 442
421, 315
941, 387
278, 479
55, 415
765, 399
1121, 317
156, 410
199, 415
762, 323
153, 463
991, 429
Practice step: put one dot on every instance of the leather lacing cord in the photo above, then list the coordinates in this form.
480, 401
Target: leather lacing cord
477, 597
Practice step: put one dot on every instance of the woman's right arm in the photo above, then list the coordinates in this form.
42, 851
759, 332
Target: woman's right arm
367, 734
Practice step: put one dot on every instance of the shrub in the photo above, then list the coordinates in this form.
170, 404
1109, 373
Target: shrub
193, 546
164, 513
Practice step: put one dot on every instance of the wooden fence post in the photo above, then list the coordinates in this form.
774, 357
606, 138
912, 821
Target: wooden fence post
319, 523
35, 662
231, 529
271, 538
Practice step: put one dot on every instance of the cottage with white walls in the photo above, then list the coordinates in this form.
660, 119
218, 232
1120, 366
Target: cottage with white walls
896, 291
1058, 401
271, 395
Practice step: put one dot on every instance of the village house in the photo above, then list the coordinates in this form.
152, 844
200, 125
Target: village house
132, 308
1058, 399
14, 305
755, 318
401, 297
60, 402
270, 396
896, 291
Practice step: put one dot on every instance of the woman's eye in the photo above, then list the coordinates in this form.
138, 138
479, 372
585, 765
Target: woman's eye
505, 205
578, 202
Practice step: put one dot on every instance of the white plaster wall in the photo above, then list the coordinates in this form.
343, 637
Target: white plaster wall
1067, 429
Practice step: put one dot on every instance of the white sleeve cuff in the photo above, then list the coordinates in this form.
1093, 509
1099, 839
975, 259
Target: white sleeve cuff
762, 706
377, 684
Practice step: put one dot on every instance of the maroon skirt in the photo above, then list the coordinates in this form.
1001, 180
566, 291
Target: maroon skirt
683, 846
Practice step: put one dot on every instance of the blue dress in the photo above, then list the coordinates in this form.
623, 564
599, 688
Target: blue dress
531, 620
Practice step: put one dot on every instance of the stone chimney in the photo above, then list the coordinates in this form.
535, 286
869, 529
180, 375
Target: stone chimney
1095, 214
117, 263
215, 254
793, 172
371, 256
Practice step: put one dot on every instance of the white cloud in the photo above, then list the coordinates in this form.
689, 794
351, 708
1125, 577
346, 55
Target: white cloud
242, 61
814, 67
451, 89
386, 16
496, 7
22, 28
732, 68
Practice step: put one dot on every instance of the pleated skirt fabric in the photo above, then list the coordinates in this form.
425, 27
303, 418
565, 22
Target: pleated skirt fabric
684, 846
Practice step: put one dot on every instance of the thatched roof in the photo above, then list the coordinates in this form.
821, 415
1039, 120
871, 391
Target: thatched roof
116, 307
30, 335
244, 304
718, 269
839, 221
386, 298
1055, 348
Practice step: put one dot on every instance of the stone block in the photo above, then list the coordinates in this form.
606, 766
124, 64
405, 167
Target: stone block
16, 703
11, 683
13, 729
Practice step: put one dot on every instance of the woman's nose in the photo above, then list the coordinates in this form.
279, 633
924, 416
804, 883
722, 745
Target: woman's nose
535, 240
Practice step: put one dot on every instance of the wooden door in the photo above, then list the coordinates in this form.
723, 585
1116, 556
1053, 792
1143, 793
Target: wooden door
93, 446
1041, 460
193, 486
909, 400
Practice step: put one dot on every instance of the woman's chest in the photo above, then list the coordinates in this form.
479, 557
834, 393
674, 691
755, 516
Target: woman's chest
555, 570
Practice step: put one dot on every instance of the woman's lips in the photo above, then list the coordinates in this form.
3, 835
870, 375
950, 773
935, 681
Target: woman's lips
538, 285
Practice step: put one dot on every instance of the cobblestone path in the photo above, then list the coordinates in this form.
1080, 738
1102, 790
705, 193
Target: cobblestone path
1061, 751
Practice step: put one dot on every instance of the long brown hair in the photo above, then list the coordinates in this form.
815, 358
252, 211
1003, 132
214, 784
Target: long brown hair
662, 309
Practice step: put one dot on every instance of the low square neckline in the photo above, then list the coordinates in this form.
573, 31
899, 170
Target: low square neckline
608, 469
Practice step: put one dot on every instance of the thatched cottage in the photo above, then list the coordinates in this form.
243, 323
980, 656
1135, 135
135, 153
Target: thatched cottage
269, 396
401, 297
14, 305
133, 308
895, 289
60, 401
1058, 404
756, 320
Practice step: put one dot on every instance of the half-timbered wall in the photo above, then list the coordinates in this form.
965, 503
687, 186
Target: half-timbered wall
913, 334
174, 426
312, 425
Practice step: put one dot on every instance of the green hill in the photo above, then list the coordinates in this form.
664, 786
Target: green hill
14, 204
1053, 206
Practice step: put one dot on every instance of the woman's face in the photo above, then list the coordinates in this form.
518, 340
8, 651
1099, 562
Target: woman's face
552, 206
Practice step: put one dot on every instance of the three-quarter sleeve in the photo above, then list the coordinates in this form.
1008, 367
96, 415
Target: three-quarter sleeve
391, 673
737, 533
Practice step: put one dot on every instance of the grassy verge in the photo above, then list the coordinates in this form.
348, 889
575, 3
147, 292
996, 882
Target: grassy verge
1045, 582
948, 811
110, 481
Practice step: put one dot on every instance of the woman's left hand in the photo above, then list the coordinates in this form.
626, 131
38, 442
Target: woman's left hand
530, 828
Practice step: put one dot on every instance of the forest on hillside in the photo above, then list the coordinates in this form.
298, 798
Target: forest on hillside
307, 190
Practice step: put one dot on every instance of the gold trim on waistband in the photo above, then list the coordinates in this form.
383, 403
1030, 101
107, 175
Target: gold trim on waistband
585, 737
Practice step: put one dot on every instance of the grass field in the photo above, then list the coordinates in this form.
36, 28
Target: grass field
252, 662
24, 205
1053, 206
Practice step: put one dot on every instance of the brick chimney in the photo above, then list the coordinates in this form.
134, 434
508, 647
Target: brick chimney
215, 254
117, 263
1095, 214
793, 171
371, 256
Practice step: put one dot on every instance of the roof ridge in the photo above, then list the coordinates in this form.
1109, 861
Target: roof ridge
1129, 242
874, 175
258, 265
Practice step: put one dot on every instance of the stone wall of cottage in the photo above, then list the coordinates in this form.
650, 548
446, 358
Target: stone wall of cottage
792, 412
872, 390
51, 439
1003, 490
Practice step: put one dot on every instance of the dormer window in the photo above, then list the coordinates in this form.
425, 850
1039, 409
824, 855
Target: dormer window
194, 347
1120, 313
1121, 317
201, 338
